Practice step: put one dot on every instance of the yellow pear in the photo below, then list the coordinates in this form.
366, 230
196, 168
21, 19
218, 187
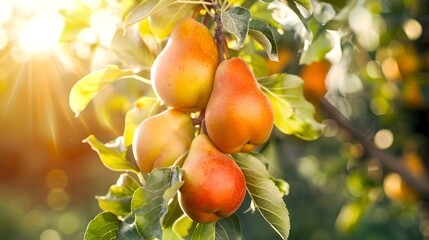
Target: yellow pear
183, 73
161, 139
239, 116
214, 186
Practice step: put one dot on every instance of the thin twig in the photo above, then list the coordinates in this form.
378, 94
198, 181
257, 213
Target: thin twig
389, 161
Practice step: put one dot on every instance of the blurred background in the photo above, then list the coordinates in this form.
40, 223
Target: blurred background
376, 75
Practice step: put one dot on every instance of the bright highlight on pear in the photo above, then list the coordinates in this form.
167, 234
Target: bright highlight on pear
161, 139
239, 116
214, 186
183, 73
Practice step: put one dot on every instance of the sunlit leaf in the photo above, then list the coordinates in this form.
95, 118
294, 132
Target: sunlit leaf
170, 234
149, 204
184, 226
236, 21
127, 229
174, 212
293, 114
131, 50
306, 4
143, 108
318, 48
112, 154
338, 4
89, 86
118, 199
143, 10
204, 232
165, 16
262, 33
103, 227
264, 193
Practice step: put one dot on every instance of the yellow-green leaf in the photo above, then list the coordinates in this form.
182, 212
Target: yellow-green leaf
89, 86
293, 114
265, 195
112, 154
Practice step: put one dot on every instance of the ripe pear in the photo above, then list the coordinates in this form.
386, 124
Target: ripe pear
161, 139
214, 186
239, 116
182, 74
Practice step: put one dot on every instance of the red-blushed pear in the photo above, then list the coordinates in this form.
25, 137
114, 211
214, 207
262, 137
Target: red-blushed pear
183, 73
239, 116
161, 139
214, 186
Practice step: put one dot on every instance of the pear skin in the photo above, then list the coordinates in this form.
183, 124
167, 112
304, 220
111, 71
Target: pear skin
214, 186
161, 139
182, 74
239, 116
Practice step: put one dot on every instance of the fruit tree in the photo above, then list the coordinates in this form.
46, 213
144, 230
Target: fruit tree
223, 85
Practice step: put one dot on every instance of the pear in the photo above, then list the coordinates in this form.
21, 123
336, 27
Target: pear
239, 116
214, 186
182, 74
161, 139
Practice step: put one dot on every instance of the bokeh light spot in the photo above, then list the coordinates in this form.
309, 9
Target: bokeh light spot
383, 139
58, 199
56, 178
379, 106
69, 223
50, 234
412, 28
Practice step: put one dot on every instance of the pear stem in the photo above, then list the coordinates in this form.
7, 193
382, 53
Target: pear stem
219, 36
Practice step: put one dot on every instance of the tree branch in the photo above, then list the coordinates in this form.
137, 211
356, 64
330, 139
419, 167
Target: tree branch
389, 161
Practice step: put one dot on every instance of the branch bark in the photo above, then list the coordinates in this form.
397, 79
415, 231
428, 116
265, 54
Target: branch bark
387, 160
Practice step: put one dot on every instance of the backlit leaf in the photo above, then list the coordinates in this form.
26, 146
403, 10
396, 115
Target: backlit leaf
112, 154
236, 21
318, 48
148, 203
118, 199
265, 195
103, 227
89, 86
262, 33
143, 10
204, 232
293, 114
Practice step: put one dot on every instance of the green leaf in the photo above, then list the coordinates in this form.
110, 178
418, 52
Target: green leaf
184, 226
143, 108
118, 199
204, 232
143, 10
86, 88
318, 48
131, 50
174, 212
262, 33
103, 227
293, 114
236, 21
306, 4
264, 193
228, 228
149, 204
165, 16
112, 154
127, 229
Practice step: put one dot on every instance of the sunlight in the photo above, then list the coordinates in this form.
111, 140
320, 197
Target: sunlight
42, 33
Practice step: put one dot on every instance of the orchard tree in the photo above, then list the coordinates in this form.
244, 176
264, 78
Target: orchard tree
220, 83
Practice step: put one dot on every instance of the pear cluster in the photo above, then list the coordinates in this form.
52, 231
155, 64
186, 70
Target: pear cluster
234, 116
